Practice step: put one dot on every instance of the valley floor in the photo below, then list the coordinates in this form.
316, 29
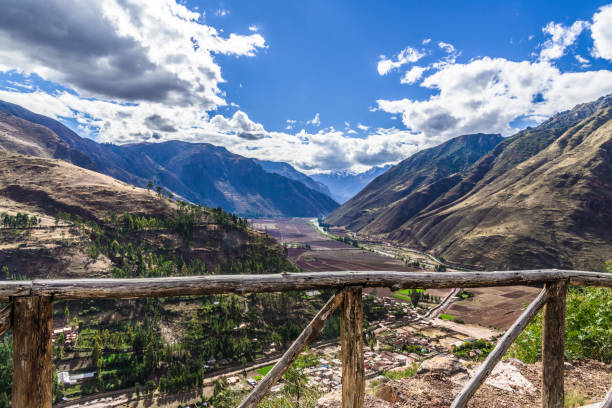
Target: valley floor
425, 336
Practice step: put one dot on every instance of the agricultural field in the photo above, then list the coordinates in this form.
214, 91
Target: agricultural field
493, 307
313, 252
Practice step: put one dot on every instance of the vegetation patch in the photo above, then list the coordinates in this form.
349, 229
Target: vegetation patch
451, 318
474, 350
588, 332
405, 373
265, 370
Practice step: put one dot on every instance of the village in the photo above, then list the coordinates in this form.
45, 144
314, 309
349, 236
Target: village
399, 347
395, 345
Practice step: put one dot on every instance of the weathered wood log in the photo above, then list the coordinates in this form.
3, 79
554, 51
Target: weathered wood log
607, 402
66, 289
202, 285
32, 352
310, 333
351, 342
584, 278
500, 349
9, 289
6, 317
553, 346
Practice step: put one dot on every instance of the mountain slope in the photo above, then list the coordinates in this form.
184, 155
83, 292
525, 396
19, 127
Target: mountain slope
343, 185
201, 172
392, 198
49, 189
541, 198
287, 170
215, 176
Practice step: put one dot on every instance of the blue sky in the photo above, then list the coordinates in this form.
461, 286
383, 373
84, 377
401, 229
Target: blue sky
322, 55
323, 85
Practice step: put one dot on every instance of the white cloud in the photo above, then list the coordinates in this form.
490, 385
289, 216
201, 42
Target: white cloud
561, 37
406, 56
124, 50
362, 127
488, 94
584, 63
601, 31
448, 48
222, 12
239, 125
413, 75
581, 59
426, 41
253, 28
315, 121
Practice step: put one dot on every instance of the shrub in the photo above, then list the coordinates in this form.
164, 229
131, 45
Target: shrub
588, 332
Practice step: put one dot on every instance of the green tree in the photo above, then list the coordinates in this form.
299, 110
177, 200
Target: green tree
295, 383
588, 332
67, 315
96, 350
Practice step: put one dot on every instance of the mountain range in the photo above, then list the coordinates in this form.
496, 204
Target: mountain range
198, 172
540, 198
344, 185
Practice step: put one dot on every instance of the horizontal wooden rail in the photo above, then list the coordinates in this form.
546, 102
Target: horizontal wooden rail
241, 284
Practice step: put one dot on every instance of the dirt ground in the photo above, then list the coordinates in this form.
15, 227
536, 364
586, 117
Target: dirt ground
495, 307
586, 382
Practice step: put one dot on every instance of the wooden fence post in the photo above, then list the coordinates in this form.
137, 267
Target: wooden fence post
32, 352
553, 346
351, 341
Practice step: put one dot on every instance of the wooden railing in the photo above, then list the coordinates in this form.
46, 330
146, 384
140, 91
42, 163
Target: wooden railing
30, 314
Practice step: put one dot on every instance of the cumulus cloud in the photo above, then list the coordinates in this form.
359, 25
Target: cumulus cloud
488, 94
239, 125
156, 122
561, 37
315, 121
405, 56
584, 63
413, 75
115, 49
601, 32
448, 48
